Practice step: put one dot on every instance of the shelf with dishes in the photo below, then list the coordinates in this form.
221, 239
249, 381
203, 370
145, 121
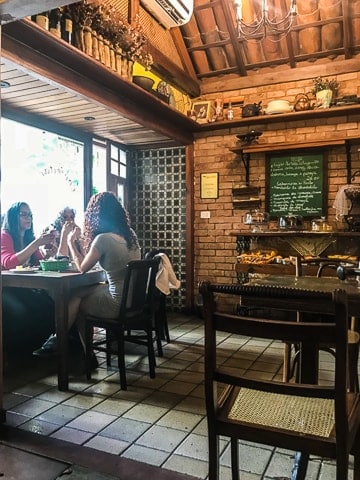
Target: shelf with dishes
258, 120
267, 261
253, 249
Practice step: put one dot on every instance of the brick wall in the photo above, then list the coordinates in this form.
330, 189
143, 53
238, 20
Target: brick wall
215, 247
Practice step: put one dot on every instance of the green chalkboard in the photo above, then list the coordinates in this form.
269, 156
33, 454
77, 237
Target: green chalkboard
296, 184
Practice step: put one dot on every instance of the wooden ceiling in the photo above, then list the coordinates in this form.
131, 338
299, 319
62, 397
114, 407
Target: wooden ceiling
322, 30
204, 56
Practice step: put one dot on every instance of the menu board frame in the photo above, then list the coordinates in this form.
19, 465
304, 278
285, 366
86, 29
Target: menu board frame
296, 183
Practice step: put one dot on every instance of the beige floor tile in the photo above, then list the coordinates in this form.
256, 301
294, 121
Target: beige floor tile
33, 407
201, 428
60, 414
162, 399
145, 413
180, 420
33, 389
125, 429
186, 465
53, 395
161, 438
147, 455
190, 376
252, 459
10, 400
108, 445
192, 405
134, 393
84, 400
181, 388
92, 421
72, 435
104, 388
40, 427
15, 420
114, 406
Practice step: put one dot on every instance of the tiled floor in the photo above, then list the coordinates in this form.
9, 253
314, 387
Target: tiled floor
158, 421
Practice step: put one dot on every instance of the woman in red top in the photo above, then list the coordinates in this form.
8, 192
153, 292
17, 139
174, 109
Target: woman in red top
18, 243
27, 313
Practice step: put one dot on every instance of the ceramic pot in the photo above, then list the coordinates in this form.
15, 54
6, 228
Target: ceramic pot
251, 110
323, 98
278, 106
302, 102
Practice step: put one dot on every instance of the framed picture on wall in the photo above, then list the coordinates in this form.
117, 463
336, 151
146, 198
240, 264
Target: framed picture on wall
209, 185
203, 110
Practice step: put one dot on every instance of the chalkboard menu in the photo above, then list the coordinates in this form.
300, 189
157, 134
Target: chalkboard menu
295, 185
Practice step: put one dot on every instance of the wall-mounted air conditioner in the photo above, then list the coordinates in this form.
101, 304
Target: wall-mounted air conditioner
170, 13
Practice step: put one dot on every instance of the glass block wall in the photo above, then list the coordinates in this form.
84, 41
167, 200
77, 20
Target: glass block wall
158, 209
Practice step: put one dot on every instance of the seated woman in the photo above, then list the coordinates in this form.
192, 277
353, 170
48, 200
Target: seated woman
24, 308
66, 215
109, 240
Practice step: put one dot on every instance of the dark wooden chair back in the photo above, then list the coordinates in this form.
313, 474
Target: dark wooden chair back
135, 315
138, 291
160, 299
281, 414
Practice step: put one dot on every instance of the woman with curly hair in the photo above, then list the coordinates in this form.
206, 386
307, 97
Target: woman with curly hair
108, 239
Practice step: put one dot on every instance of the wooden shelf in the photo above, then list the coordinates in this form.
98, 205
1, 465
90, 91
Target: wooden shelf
259, 120
246, 197
294, 233
285, 146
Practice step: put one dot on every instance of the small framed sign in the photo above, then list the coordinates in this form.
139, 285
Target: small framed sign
209, 185
203, 111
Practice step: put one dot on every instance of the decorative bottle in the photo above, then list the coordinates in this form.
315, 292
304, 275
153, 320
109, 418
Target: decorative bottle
66, 24
55, 22
230, 112
42, 19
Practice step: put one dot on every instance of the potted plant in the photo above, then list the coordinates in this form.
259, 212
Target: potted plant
324, 90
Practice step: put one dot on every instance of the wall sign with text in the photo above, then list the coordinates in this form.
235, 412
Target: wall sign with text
296, 184
209, 185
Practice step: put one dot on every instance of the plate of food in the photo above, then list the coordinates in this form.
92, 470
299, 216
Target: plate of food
24, 270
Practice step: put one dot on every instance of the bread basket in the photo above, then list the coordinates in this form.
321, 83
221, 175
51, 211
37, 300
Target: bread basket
54, 265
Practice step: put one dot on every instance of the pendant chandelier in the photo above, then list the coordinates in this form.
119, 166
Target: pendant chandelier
265, 23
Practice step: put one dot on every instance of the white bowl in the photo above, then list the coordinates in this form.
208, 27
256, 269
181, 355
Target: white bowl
278, 106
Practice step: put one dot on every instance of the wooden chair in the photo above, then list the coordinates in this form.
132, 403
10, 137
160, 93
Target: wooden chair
324, 265
160, 301
312, 419
134, 322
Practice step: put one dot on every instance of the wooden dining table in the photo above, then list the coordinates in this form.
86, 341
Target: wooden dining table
322, 284
59, 286
309, 357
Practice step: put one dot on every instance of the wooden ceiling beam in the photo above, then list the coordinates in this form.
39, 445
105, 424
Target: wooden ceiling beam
234, 38
183, 52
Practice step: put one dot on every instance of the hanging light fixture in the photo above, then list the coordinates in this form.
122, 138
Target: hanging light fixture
265, 23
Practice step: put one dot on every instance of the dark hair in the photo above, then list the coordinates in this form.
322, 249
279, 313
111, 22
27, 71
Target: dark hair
12, 226
60, 219
105, 214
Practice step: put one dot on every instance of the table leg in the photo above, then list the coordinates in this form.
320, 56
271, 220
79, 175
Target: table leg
309, 360
300, 466
61, 300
